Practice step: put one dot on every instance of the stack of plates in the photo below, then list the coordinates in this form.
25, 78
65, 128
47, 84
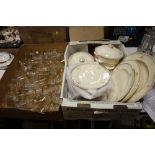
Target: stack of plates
132, 78
5, 59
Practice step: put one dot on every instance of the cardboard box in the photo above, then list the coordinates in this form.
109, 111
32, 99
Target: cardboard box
81, 33
74, 109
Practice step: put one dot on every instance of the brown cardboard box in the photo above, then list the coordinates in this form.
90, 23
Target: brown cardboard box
80, 33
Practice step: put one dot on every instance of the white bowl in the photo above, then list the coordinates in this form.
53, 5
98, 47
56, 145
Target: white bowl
108, 55
109, 51
109, 64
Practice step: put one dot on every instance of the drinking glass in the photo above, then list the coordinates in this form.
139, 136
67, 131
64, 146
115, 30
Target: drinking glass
148, 42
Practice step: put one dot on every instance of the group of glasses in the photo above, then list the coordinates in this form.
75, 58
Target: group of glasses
148, 42
37, 84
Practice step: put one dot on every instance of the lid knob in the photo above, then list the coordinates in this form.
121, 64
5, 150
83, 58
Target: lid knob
82, 59
111, 46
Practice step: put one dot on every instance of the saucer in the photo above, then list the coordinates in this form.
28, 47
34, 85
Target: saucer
5, 64
4, 57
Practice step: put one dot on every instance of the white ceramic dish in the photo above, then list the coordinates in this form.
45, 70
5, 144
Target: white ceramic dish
109, 51
147, 74
80, 57
5, 64
135, 66
109, 65
144, 75
106, 61
122, 79
90, 76
108, 55
4, 57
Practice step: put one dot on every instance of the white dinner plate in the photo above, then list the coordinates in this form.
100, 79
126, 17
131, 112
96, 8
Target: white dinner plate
4, 57
80, 57
5, 64
122, 78
147, 74
135, 66
90, 76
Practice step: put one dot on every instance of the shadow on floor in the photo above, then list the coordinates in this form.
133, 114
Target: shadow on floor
143, 123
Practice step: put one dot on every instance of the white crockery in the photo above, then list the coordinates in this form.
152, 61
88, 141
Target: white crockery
122, 78
136, 68
90, 76
147, 74
5, 64
108, 64
4, 56
80, 57
109, 52
108, 55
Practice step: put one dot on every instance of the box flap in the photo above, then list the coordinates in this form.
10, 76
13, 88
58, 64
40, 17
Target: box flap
80, 33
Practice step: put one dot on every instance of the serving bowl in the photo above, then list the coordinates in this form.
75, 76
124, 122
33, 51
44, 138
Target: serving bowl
108, 55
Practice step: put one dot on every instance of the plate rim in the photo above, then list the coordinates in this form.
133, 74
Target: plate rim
136, 82
128, 87
151, 78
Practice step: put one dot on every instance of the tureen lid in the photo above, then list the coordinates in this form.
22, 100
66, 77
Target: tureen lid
109, 51
80, 57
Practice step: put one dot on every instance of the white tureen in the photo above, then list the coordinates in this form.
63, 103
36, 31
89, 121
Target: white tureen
108, 55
